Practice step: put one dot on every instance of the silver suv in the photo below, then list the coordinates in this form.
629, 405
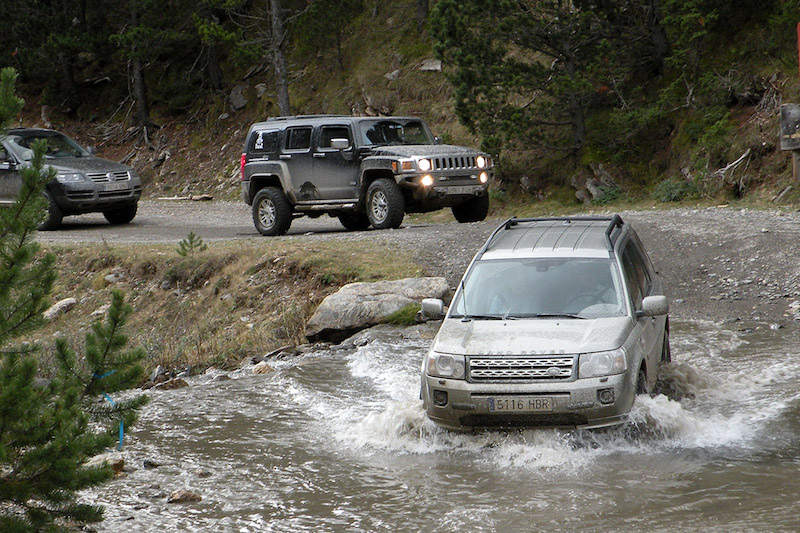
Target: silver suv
557, 322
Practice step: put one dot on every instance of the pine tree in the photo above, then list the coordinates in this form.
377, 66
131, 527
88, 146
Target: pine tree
50, 427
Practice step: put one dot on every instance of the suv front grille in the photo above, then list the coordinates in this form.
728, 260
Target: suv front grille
454, 163
100, 177
506, 369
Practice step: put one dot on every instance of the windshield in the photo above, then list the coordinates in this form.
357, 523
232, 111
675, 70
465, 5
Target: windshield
529, 288
382, 132
58, 145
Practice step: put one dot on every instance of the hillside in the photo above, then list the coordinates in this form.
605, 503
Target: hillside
720, 145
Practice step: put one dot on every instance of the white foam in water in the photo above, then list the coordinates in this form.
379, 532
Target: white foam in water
709, 406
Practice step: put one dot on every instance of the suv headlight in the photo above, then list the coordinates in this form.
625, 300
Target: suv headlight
480, 161
70, 177
445, 365
424, 165
593, 365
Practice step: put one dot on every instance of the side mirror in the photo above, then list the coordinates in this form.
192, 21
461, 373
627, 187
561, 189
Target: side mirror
433, 308
654, 306
7, 165
437, 140
91, 149
340, 144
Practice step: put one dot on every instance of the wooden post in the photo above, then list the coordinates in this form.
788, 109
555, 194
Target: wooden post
796, 165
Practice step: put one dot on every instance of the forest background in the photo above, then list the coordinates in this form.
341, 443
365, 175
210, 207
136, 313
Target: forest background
644, 100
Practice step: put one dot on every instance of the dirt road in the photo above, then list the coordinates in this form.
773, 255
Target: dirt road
718, 264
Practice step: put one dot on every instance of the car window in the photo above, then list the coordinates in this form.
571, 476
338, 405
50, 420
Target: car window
57, 145
636, 274
329, 133
298, 138
392, 132
588, 288
264, 141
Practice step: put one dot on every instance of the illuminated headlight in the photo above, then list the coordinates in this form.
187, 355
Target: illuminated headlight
593, 365
445, 365
70, 177
424, 165
483, 177
427, 180
480, 161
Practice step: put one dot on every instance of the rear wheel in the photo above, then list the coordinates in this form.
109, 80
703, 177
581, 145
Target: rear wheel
473, 210
122, 215
272, 213
385, 204
354, 221
54, 215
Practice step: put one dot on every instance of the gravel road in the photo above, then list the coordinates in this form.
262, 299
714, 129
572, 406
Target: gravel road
718, 264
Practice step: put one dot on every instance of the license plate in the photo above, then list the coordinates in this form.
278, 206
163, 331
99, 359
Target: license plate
118, 186
521, 404
461, 189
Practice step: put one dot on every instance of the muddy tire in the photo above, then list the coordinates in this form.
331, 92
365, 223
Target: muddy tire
272, 213
53, 217
354, 221
123, 215
385, 204
473, 210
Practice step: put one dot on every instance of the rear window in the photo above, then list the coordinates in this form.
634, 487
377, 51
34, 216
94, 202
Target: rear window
265, 141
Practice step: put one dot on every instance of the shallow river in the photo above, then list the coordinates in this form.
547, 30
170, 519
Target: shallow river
337, 441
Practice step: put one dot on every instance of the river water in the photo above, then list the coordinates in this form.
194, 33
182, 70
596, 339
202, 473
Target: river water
337, 441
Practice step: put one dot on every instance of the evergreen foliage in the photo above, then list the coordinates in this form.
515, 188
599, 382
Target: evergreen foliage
190, 245
50, 427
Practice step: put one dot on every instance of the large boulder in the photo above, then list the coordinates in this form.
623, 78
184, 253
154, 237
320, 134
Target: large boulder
357, 306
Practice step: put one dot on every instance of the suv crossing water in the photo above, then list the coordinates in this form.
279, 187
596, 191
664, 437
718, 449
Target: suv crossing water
557, 322
366, 171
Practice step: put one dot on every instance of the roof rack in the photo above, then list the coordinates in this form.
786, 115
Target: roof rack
613, 223
297, 117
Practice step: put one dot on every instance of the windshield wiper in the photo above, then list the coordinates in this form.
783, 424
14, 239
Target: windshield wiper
467, 318
553, 315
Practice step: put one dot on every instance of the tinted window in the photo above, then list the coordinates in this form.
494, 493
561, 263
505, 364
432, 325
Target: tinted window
264, 141
382, 132
329, 133
298, 138
57, 145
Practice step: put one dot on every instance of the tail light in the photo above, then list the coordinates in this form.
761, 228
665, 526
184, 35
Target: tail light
242, 164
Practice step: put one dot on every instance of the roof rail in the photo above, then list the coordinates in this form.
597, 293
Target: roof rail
613, 222
296, 117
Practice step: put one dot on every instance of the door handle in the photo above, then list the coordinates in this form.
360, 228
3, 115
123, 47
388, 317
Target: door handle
319, 154
285, 156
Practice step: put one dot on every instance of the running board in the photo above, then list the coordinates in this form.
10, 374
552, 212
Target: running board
324, 207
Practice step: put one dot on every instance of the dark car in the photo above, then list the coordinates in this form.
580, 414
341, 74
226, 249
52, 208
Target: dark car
84, 183
367, 171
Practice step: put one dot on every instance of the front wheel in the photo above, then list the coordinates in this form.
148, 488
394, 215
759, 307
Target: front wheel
473, 210
272, 213
122, 215
385, 204
53, 217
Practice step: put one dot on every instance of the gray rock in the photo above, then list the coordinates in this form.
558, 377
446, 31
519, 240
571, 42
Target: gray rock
431, 65
237, 98
360, 305
60, 308
184, 496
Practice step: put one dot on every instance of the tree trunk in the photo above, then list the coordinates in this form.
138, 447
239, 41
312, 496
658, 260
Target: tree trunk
71, 95
140, 95
278, 56
658, 37
214, 71
422, 14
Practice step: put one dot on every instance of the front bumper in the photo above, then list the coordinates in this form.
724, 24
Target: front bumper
447, 190
86, 197
571, 404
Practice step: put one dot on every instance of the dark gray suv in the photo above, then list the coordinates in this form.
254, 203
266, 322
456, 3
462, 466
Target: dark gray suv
366, 171
84, 183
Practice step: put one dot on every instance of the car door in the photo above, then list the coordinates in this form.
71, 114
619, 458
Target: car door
640, 282
296, 154
10, 180
335, 169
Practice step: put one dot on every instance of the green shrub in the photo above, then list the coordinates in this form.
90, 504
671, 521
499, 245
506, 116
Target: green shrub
674, 190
